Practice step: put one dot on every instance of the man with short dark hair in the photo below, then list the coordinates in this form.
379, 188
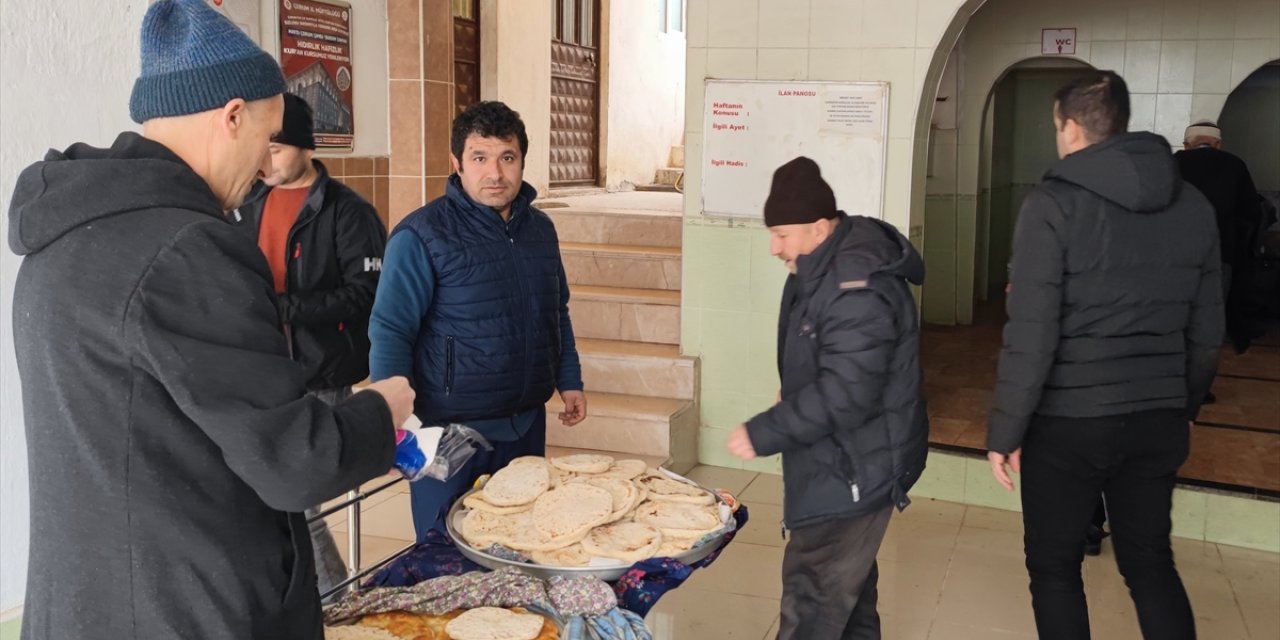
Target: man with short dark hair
473, 307
324, 245
1110, 346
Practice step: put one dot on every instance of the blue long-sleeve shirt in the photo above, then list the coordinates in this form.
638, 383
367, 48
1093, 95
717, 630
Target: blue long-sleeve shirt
405, 291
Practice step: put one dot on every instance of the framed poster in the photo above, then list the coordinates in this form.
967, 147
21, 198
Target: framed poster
244, 13
315, 53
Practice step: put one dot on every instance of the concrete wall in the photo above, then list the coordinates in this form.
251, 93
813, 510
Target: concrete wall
1180, 58
642, 93
515, 67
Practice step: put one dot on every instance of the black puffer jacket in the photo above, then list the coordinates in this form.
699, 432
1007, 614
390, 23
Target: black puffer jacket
852, 426
1116, 298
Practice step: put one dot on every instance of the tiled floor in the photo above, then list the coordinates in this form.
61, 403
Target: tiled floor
947, 572
1235, 442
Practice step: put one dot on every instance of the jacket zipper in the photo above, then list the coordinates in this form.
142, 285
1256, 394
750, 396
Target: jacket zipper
448, 376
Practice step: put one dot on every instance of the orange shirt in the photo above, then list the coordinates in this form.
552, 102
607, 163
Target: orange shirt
278, 215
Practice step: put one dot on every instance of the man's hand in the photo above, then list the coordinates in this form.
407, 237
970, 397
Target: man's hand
399, 396
998, 460
575, 407
740, 443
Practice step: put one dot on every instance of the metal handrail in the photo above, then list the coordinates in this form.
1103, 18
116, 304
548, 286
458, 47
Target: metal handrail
352, 505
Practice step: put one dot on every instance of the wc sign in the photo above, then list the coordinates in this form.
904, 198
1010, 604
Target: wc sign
1058, 42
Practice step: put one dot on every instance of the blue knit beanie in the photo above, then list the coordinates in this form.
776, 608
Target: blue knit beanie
194, 60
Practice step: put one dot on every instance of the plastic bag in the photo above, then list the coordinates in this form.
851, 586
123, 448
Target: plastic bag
435, 452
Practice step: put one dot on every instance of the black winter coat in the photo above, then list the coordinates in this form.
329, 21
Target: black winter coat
170, 441
334, 258
852, 426
1115, 304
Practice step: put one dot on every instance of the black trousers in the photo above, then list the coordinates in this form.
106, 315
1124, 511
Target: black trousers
829, 579
1066, 464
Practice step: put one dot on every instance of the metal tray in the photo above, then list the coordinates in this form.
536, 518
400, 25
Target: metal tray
608, 573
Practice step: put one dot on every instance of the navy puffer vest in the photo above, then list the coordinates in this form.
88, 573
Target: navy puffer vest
490, 344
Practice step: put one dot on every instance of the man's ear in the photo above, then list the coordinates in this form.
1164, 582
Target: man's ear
457, 166
231, 117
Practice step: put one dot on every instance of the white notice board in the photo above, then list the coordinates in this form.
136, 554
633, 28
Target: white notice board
753, 127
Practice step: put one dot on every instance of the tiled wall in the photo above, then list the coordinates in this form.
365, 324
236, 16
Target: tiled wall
366, 175
1180, 58
420, 50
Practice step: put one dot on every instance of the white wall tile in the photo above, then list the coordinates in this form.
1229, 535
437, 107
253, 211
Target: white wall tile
1213, 66
897, 183
1108, 55
888, 23
784, 24
834, 23
733, 23
693, 172
1142, 65
783, 64
836, 65
896, 66
696, 20
738, 64
1207, 106
1144, 19
1249, 55
933, 17
1258, 19
1173, 114
694, 88
1177, 66
1181, 20
1109, 21
1142, 111
1217, 20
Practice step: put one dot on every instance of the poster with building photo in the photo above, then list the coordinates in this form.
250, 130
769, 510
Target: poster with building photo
244, 13
315, 53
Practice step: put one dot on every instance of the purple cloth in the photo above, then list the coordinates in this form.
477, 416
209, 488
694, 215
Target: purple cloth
638, 589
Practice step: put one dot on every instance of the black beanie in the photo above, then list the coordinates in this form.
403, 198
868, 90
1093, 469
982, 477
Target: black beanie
297, 130
799, 195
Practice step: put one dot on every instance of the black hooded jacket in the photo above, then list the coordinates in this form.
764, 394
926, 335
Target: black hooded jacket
852, 426
1115, 305
170, 442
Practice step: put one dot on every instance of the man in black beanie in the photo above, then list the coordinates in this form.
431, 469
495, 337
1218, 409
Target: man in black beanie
324, 244
850, 421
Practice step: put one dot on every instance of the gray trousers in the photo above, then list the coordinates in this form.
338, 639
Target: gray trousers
829, 579
330, 569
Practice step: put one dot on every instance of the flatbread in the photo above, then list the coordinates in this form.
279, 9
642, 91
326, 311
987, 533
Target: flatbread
354, 632
678, 519
482, 528
583, 463
518, 483
571, 556
403, 625
626, 495
476, 501
625, 469
626, 541
672, 547
662, 488
492, 623
571, 509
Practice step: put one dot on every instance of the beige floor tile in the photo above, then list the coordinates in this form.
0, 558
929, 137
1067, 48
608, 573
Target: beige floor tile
952, 631
764, 527
372, 548
1113, 625
987, 599
933, 511
990, 541
1261, 612
734, 481
365, 505
393, 518
996, 519
766, 488
694, 614
918, 542
910, 591
1196, 554
773, 631
743, 569
1251, 556
905, 626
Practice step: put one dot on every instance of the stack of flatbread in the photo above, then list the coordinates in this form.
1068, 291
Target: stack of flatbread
565, 511
484, 623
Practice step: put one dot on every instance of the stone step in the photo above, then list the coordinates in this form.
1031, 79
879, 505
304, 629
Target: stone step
631, 425
676, 159
654, 229
637, 368
614, 265
659, 188
668, 176
635, 315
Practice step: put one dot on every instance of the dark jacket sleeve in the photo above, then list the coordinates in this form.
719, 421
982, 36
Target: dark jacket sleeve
569, 376
360, 243
858, 335
1205, 328
204, 325
1032, 332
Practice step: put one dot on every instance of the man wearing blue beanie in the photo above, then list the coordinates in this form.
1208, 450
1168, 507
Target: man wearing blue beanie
171, 443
